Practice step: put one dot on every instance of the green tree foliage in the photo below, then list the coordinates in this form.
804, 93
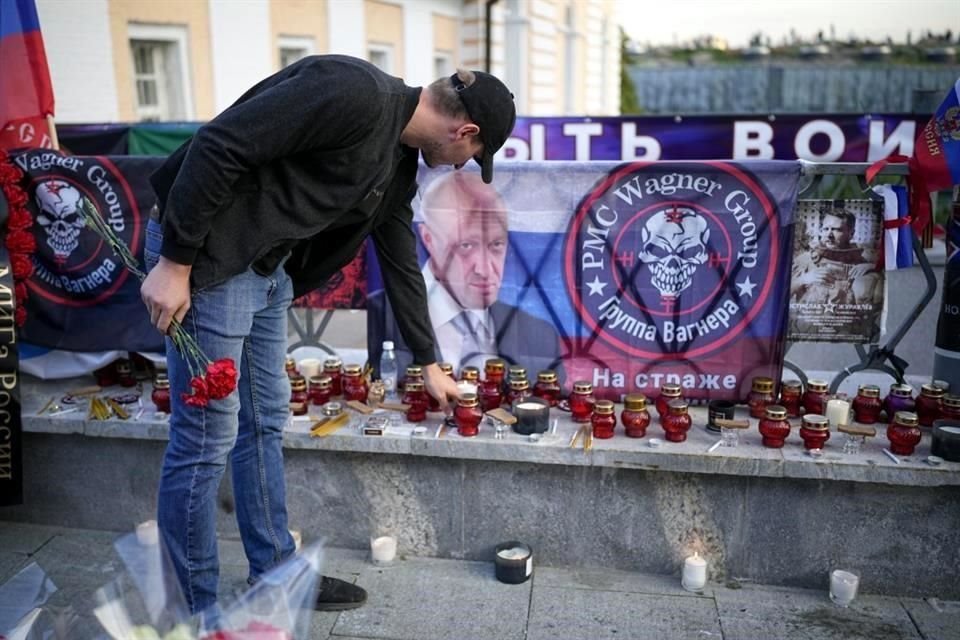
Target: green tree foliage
629, 105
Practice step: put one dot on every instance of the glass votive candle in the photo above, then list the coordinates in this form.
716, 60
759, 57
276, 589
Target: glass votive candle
791, 395
415, 398
519, 391
354, 386
677, 421
320, 390
867, 405
668, 391
900, 398
547, 387
298, 396
161, 393
843, 587
774, 426
950, 406
815, 397
470, 374
852, 443
760, 396
309, 367
814, 431
929, 404
467, 415
603, 420
694, 573
333, 367
729, 437
635, 417
581, 401
903, 433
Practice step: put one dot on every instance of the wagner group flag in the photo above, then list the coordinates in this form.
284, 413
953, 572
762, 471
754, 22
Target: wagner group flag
26, 94
622, 275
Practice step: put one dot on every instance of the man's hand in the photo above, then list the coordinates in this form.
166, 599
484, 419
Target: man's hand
439, 385
166, 292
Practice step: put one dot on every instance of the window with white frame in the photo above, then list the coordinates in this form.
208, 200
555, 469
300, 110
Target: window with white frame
160, 74
381, 55
294, 48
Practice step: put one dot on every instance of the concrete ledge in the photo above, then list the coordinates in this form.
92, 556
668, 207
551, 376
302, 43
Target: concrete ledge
749, 459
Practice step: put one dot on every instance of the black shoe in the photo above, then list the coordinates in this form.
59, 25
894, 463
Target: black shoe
338, 595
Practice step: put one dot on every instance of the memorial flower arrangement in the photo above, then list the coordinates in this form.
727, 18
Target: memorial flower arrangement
19, 240
209, 379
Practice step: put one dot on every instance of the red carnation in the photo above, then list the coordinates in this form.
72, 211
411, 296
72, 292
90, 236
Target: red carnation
199, 397
221, 378
22, 266
21, 241
20, 315
8, 172
20, 288
19, 218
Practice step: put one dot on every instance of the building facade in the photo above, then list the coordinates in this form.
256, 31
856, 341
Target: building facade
187, 60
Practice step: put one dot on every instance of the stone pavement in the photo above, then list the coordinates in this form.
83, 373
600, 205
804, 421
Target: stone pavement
429, 599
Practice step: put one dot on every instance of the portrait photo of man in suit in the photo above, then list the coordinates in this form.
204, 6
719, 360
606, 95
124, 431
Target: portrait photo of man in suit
464, 231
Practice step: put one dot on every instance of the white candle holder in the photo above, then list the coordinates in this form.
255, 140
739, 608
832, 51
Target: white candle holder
694, 573
383, 549
843, 587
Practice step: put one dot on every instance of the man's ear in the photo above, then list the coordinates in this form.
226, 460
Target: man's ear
468, 130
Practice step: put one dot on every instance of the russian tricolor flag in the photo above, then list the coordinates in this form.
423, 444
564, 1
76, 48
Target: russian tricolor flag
25, 89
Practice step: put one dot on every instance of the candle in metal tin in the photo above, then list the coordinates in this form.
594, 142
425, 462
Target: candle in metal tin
719, 410
332, 409
533, 415
513, 562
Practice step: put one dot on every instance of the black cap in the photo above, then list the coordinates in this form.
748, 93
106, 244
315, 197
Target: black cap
490, 106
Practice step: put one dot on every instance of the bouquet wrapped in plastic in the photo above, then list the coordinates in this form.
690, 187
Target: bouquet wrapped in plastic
146, 602
23, 614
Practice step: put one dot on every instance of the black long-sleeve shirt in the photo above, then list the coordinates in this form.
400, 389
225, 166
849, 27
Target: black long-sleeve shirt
308, 161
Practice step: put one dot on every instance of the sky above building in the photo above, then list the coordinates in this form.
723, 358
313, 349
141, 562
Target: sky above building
667, 22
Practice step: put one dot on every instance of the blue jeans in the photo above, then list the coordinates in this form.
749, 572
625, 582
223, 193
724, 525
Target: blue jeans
245, 318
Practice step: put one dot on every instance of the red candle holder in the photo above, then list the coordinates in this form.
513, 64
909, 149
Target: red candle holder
603, 420
903, 433
107, 375
791, 395
447, 369
491, 389
467, 415
320, 390
815, 397
125, 374
416, 400
867, 405
298, 396
333, 367
354, 386
515, 372
814, 431
900, 398
470, 374
950, 406
547, 387
774, 426
677, 421
668, 391
519, 391
581, 401
760, 396
635, 417
161, 393
290, 365
929, 404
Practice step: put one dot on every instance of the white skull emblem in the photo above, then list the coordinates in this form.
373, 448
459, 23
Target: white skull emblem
59, 216
674, 245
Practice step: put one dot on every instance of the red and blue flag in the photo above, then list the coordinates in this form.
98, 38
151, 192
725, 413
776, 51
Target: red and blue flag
26, 93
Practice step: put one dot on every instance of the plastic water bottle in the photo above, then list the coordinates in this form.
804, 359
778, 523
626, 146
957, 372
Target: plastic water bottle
388, 371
